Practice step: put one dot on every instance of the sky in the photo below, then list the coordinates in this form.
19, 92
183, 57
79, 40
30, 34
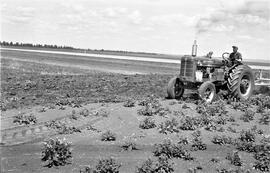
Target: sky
160, 26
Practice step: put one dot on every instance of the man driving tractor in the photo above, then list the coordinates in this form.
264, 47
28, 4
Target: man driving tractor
235, 56
210, 75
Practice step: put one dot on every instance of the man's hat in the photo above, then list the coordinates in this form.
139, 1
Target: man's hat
235, 47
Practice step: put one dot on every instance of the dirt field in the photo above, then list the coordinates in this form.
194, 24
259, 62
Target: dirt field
51, 88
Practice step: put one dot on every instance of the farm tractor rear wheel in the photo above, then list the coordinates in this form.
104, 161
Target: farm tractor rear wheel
241, 82
207, 91
174, 89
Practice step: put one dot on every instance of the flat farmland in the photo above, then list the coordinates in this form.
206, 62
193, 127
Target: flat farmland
93, 63
89, 96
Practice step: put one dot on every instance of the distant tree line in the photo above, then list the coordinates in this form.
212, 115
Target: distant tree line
17, 44
5, 43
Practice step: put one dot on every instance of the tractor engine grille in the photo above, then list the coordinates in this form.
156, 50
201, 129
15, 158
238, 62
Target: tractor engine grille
187, 67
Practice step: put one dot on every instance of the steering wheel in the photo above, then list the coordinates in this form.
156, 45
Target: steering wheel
225, 55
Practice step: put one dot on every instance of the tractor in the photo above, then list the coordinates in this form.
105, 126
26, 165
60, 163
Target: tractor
210, 75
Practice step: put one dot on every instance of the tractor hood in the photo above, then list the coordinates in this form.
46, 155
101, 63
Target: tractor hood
205, 61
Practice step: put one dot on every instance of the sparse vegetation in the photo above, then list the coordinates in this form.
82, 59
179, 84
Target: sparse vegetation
69, 130
151, 110
56, 152
74, 115
215, 109
241, 106
246, 141
84, 112
172, 150
70, 91
197, 143
265, 118
231, 129
234, 158
22, 119
248, 115
108, 136
152, 106
247, 136
147, 123
169, 126
161, 165
183, 140
103, 113
189, 123
42, 109
222, 140
107, 165
129, 146
129, 103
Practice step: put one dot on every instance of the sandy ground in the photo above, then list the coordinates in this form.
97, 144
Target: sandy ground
21, 146
88, 148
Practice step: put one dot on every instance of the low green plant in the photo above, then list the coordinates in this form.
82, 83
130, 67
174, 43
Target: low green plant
231, 129
260, 108
265, 118
68, 130
22, 119
84, 112
221, 120
146, 111
129, 146
61, 127
222, 140
151, 110
171, 150
246, 141
244, 146
238, 105
161, 165
108, 165
147, 123
197, 143
108, 136
42, 109
247, 135
56, 152
152, 106
262, 156
195, 170
248, 115
211, 126
149, 100
86, 169
239, 170
183, 140
234, 158
103, 113
74, 115
178, 113
231, 119
129, 103
62, 107
189, 123
168, 126
216, 108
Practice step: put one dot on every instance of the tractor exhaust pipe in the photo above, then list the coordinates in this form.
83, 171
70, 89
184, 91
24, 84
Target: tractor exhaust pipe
194, 49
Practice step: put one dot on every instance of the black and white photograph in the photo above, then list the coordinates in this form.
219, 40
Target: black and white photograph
135, 86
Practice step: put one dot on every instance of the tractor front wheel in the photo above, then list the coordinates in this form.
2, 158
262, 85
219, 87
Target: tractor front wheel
175, 89
207, 91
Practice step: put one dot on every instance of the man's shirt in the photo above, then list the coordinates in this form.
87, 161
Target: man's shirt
235, 56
